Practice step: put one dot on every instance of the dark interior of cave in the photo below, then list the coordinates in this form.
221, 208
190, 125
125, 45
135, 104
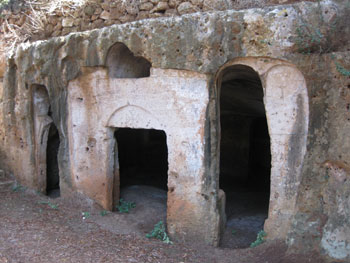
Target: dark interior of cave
52, 170
143, 157
141, 176
245, 157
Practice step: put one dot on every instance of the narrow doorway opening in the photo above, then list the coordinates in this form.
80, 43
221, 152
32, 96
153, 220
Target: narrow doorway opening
143, 172
52, 170
47, 142
245, 156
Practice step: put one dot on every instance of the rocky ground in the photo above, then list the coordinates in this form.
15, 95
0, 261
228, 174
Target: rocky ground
36, 228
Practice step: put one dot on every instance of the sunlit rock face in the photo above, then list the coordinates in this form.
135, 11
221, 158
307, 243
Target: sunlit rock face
233, 103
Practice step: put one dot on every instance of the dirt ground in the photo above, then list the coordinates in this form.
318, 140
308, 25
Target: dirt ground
36, 228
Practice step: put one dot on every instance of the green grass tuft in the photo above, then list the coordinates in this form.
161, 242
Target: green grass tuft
103, 212
259, 239
124, 206
159, 232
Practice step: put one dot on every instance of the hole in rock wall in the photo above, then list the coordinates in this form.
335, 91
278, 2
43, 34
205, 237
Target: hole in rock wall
47, 143
143, 172
245, 157
52, 171
122, 63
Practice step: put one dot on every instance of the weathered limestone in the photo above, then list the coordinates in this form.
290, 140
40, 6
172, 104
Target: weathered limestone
286, 105
335, 232
93, 89
170, 100
78, 16
42, 122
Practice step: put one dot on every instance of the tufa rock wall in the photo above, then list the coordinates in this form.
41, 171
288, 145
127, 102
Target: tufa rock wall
42, 19
312, 39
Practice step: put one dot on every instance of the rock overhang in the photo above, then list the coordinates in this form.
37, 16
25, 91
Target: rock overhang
199, 42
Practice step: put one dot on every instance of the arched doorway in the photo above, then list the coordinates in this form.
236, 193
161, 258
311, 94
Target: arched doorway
245, 157
283, 96
47, 143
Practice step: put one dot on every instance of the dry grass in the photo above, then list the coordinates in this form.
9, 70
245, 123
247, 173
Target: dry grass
36, 20
39, 12
57, 7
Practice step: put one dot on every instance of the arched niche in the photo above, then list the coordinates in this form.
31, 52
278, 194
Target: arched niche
46, 143
122, 63
285, 101
133, 116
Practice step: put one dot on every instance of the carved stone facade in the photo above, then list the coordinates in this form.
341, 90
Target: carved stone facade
173, 101
187, 77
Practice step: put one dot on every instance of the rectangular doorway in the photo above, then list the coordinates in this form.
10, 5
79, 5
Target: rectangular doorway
141, 167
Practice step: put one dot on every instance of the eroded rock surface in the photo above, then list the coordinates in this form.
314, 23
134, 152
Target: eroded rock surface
306, 98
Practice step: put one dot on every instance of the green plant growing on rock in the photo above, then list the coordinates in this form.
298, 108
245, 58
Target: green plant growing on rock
259, 239
345, 72
159, 232
124, 206
317, 35
308, 39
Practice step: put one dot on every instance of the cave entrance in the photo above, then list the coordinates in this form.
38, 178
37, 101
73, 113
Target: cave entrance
52, 170
141, 170
245, 156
